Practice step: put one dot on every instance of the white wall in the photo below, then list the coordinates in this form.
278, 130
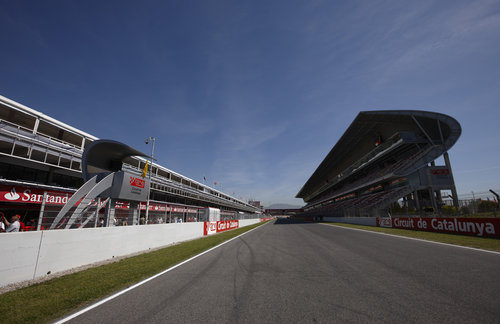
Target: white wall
60, 250
369, 221
18, 253
246, 222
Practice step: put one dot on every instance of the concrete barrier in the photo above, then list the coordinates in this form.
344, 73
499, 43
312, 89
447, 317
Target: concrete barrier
18, 253
246, 222
369, 221
31, 255
67, 249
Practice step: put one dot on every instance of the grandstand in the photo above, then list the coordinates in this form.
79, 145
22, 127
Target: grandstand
384, 157
41, 155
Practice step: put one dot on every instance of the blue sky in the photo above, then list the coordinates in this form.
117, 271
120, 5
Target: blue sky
254, 94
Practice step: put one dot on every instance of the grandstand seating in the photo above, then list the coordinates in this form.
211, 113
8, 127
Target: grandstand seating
361, 162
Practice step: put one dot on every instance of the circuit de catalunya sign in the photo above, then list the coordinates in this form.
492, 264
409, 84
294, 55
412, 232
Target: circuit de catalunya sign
221, 226
484, 227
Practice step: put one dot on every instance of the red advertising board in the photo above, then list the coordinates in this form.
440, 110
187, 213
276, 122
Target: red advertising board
221, 226
136, 182
121, 205
440, 172
30, 195
484, 227
154, 207
26, 195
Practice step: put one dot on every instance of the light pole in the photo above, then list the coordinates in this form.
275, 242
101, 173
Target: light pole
152, 139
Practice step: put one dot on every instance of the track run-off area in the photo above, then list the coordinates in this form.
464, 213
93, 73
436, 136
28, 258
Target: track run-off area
289, 271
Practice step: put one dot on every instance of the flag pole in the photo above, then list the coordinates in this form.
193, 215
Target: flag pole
150, 170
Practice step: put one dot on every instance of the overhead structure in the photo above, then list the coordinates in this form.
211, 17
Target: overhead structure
382, 157
40, 154
102, 163
102, 157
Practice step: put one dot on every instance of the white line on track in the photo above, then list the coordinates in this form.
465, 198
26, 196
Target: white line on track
413, 238
86, 309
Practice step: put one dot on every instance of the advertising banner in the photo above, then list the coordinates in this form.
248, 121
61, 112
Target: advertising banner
483, 227
127, 186
384, 222
26, 195
29, 195
154, 207
221, 226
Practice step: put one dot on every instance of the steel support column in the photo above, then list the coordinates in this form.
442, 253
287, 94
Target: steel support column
453, 187
110, 212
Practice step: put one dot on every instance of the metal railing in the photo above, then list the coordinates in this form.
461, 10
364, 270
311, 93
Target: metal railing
94, 215
18, 136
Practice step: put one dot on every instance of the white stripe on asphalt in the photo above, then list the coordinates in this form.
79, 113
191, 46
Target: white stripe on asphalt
413, 238
86, 309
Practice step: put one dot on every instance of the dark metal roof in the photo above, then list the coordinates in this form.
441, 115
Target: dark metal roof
105, 156
368, 126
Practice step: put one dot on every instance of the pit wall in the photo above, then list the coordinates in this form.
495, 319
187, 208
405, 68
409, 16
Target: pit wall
31, 255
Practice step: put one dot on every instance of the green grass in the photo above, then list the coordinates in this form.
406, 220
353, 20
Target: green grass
470, 241
54, 298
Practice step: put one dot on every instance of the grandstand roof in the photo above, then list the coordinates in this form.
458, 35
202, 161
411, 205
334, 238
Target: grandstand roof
369, 129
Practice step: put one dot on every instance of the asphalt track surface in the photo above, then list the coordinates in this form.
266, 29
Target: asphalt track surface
303, 272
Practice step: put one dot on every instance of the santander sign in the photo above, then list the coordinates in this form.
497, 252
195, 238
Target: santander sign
32, 195
12, 195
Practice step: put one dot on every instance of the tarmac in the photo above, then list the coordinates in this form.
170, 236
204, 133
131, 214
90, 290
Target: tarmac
290, 271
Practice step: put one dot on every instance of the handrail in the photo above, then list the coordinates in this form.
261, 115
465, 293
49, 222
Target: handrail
377, 152
188, 189
40, 134
27, 138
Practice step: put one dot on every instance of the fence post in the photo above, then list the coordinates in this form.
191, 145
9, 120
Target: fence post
498, 202
42, 209
473, 204
97, 212
110, 212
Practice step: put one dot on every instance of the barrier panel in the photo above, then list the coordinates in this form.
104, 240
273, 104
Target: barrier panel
31, 255
210, 228
19, 253
67, 249
483, 227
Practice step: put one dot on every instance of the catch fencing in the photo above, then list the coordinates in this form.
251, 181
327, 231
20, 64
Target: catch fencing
159, 213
